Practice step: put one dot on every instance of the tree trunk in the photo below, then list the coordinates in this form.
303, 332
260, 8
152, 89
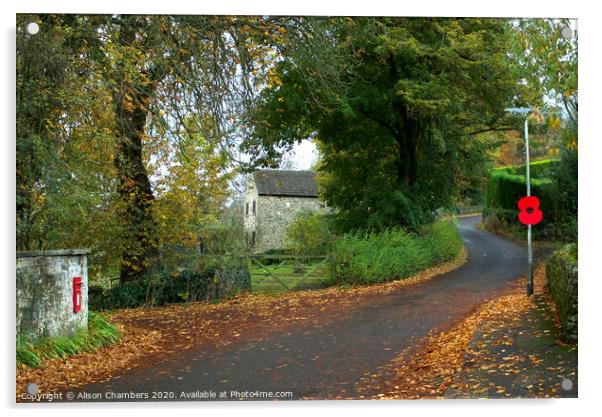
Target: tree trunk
24, 204
139, 229
406, 138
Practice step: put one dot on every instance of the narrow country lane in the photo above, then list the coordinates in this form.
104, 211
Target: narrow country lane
327, 360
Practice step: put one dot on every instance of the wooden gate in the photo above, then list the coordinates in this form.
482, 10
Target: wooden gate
279, 273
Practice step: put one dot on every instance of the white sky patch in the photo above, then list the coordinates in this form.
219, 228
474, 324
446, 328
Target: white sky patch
301, 157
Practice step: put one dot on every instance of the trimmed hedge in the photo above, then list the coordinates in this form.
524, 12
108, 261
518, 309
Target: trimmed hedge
507, 185
504, 190
558, 196
393, 254
562, 276
538, 169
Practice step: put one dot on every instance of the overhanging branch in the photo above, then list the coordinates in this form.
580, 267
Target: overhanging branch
492, 129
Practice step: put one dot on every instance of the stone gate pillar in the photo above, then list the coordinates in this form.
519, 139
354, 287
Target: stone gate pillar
45, 302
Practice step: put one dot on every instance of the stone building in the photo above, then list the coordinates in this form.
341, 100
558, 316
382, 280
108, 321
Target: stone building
272, 200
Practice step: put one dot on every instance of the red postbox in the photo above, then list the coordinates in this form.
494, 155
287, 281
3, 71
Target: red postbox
77, 294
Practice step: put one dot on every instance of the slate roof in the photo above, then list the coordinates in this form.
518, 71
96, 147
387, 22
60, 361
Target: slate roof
286, 183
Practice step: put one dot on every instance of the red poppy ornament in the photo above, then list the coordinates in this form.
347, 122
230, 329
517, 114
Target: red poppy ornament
529, 210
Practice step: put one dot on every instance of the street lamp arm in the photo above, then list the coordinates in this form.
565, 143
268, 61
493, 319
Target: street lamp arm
519, 110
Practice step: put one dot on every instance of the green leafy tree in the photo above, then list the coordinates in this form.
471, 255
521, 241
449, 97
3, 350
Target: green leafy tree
546, 55
310, 234
128, 85
399, 123
42, 86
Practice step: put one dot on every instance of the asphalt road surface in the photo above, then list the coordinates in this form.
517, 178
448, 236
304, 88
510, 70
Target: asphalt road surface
327, 360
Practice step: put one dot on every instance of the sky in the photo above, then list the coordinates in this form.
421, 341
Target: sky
303, 155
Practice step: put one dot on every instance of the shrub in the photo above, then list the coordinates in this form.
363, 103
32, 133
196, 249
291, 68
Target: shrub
212, 282
126, 295
274, 251
442, 241
394, 253
309, 234
100, 333
95, 297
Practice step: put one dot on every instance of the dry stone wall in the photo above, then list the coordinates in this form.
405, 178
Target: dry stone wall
562, 274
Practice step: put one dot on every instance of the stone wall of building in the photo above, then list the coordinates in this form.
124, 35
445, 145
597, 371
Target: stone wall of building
562, 274
250, 217
274, 214
45, 293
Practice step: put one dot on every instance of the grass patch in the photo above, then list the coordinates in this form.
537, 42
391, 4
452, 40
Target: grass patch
264, 282
100, 333
395, 253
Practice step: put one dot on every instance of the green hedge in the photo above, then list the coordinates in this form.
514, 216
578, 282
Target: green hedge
393, 254
187, 286
538, 169
507, 185
553, 181
561, 272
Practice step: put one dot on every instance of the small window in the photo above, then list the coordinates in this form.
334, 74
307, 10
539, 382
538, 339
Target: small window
254, 207
247, 209
252, 238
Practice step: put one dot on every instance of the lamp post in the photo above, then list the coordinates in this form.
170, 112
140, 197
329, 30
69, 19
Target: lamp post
526, 111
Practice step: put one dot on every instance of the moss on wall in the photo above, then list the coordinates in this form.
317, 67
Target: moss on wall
561, 271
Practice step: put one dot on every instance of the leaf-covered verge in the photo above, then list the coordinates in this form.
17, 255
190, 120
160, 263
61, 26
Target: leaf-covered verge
150, 335
476, 358
100, 333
